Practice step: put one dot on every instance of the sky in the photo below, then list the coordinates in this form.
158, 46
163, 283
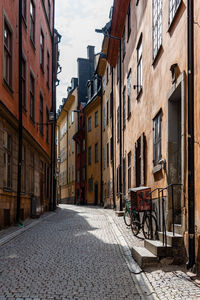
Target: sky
76, 21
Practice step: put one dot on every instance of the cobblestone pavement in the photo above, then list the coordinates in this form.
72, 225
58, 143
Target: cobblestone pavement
169, 282
72, 254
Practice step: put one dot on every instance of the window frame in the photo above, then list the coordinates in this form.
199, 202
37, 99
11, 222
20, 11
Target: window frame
156, 27
157, 138
170, 21
8, 54
129, 22
89, 155
41, 114
24, 82
139, 67
32, 97
89, 124
42, 42
129, 89
96, 119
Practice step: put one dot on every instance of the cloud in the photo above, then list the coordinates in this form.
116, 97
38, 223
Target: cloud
76, 21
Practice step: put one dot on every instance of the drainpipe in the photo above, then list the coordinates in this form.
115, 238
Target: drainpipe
20, 117
120, 123
101, 189
190, 78
113, 164
53, 130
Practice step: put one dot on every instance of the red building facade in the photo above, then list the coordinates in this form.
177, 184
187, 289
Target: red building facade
36, 97
79, 137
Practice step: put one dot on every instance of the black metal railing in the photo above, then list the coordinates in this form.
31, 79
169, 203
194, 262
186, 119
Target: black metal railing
159, 208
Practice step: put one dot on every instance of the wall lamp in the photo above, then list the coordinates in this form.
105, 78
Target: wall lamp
106, 33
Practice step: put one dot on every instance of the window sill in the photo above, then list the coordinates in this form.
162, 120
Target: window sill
157, 169
33, 44
7, 189
157, 55
7, 86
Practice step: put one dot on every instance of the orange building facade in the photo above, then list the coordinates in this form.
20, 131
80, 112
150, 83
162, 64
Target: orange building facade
36, 77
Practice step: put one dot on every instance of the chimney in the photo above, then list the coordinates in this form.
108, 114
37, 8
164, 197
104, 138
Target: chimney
90, 52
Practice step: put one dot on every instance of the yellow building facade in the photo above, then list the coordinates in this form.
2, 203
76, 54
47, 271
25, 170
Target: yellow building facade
67, 124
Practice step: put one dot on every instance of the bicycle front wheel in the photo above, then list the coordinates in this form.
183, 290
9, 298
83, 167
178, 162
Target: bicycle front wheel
127, 217
150, 230
135, 223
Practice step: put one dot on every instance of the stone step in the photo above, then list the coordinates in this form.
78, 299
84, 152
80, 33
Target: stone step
175, 240
157, 248
143, 257
119, 213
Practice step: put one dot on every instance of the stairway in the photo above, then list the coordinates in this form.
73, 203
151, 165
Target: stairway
155, 253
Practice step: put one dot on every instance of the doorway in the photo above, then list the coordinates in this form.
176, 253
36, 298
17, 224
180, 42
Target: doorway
175, 149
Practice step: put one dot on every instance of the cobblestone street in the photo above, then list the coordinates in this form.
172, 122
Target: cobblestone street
70, 255
83, 253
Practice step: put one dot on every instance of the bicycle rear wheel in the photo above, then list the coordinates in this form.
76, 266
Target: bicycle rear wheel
127, 217
150, 229
135, 223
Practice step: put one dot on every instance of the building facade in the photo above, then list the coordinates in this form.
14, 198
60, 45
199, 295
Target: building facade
36, 101
66, 128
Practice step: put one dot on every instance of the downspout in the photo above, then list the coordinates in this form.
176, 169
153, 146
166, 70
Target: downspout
113, 164
190, 78
53, 133
101, 189
20, 117
120, 124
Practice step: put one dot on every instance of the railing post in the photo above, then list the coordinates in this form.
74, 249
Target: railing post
173, 208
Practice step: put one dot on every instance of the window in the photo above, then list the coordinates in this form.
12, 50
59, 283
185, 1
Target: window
89, 156
157, 26
24, 9
107, 115
139, 66
23, 83
107, 154
49, 11
129, 94
90, 185
31, 168
7, 55
118, 125
48, 68
42, 50
32, 97
111, 104
83, 174
104, 118
96, 118
41, 120
111, 148
124, 176
72, 117
157, 154
173, 7
124, 43
107, 78
139, 161
23, 179
129, 170
129, 22
83, 147
89, 123
124, 107
96, 153
104, 158
7, 157
47, 125
118, 67
32, 22
78, 148
73, 145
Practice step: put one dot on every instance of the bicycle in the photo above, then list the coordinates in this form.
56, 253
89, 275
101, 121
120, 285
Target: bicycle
127, 213
148, 224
